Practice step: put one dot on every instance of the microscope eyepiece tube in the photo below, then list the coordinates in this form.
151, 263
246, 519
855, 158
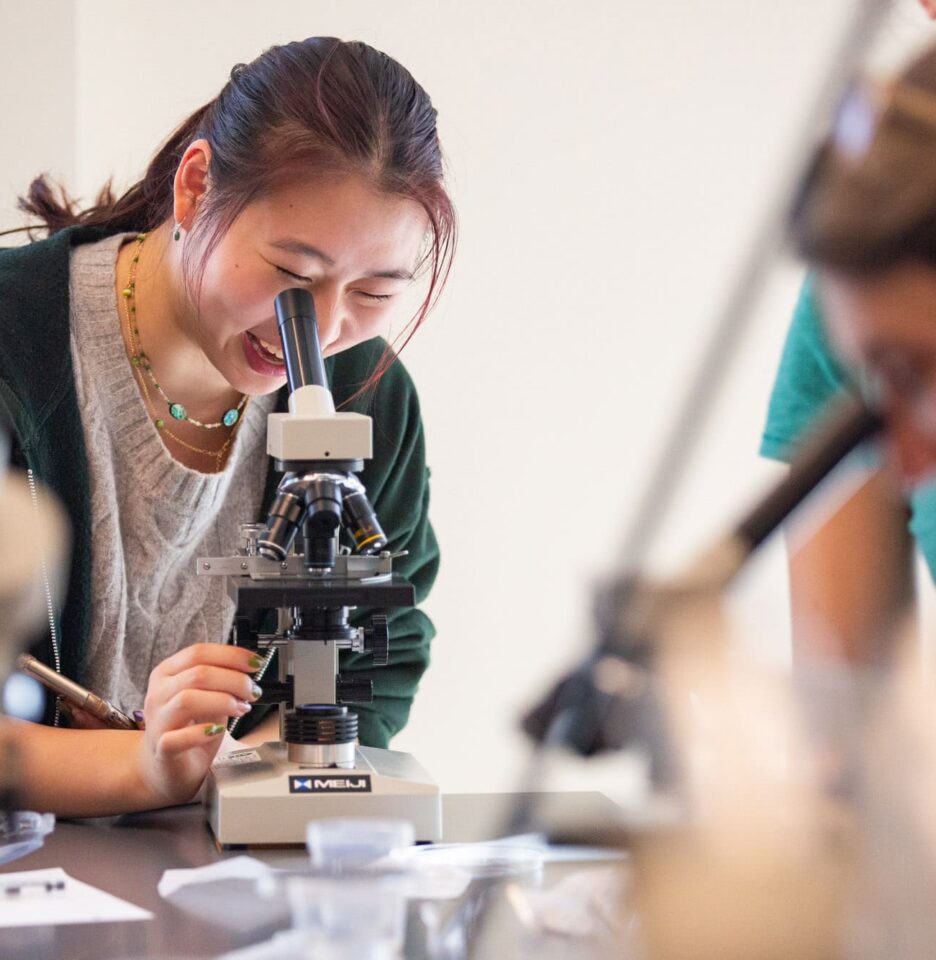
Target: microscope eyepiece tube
302, 352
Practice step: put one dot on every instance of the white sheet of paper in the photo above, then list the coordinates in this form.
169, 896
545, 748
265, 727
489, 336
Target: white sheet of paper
78, 903
242, 868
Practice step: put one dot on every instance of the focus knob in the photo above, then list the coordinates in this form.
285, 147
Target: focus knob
377, 640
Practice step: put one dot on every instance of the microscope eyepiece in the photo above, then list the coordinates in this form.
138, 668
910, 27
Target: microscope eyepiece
302, 352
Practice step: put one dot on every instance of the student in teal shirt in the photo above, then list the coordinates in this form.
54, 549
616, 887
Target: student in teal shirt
839, 598
809, 377
854, 574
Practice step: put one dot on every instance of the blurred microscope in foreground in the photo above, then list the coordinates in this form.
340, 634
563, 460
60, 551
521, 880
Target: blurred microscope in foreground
33, 530
801, 816
744, 846
293, 587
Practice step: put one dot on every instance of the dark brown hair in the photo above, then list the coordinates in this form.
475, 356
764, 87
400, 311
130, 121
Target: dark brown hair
869, 199
316, 107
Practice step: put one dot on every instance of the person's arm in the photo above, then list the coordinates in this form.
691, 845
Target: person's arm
853, 575
77, 773
851, 579
88, 773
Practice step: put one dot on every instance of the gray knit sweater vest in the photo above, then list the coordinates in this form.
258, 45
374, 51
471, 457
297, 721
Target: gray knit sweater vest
151, 515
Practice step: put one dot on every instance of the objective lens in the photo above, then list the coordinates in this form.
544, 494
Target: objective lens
283, 525
322, 520
362, 524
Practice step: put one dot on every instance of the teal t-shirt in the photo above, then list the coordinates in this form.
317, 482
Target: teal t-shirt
809, 376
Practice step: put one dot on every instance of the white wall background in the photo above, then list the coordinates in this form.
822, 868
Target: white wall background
610, 160
37, 102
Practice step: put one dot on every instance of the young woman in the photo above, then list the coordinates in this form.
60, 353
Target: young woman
841, 603
139, 361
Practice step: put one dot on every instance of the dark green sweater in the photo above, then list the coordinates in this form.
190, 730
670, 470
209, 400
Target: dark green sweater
40, 404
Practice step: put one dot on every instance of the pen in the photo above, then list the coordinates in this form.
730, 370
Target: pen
76, 694
33, 886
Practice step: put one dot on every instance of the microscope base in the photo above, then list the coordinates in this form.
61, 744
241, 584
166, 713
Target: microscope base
256, 796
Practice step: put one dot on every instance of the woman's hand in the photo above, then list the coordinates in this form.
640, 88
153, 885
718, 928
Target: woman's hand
189, 699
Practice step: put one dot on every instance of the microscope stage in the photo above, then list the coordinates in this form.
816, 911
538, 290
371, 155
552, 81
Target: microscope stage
256, 796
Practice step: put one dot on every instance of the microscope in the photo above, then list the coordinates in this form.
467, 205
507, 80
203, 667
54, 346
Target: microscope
293, 594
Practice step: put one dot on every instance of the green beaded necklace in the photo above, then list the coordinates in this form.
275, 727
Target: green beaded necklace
139, 358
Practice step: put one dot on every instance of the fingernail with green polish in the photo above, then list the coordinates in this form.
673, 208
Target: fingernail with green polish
213, 729
256, 691
255, 663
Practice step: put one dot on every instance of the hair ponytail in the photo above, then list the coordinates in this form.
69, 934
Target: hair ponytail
142, 207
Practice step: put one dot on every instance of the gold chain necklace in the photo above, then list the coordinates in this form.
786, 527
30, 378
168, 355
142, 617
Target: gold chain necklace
141, 365
139, 358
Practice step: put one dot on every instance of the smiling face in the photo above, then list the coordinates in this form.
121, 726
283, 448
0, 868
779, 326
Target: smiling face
353, 248
886, 325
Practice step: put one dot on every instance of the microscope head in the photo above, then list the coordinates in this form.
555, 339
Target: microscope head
312, 435
319, 451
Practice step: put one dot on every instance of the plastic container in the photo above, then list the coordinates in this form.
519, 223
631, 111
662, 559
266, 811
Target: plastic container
349, 916
22, 832
353, 904
343, 845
